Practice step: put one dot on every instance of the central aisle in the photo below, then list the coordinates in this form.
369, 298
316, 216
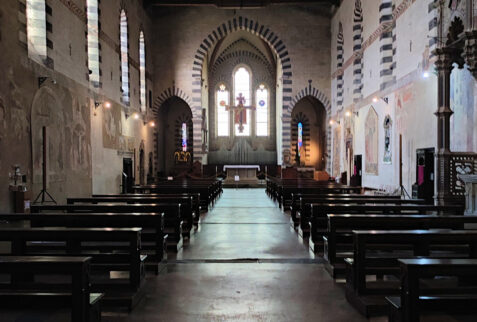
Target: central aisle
243, 263
245, 224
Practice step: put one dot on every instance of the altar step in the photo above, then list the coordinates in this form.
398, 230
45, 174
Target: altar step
244, 184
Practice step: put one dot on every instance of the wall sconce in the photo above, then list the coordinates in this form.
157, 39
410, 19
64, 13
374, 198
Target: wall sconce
152, 124
333, 122
376, 99
347, 113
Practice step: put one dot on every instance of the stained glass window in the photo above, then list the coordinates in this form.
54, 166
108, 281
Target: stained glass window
222, 113
93, 41
124, 58
262, 111
36, 29
184, 137
242, 88
142, 71
300, 137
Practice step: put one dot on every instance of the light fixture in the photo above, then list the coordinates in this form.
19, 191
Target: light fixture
375, 99
136, 116
348, 113
107, 104
222, 87
425, 74
333, 122
262, 87
152, 124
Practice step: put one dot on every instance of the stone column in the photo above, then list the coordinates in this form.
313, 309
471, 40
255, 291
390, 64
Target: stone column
445, 59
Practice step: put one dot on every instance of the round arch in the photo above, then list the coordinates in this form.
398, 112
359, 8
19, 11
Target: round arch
200, 56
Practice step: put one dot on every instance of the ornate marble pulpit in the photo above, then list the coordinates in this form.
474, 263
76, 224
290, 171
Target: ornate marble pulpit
470, 181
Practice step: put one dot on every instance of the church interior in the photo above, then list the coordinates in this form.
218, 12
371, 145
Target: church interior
226, 160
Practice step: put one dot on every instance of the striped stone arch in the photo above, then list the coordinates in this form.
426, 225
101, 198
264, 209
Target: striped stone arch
208, 44
320, 96
168, 93
164, 96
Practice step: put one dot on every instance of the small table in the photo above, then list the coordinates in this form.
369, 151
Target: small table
247, 173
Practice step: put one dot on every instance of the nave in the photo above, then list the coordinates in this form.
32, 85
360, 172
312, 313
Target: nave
243, 263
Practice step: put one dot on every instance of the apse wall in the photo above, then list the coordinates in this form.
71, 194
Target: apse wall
186, 34
86, 144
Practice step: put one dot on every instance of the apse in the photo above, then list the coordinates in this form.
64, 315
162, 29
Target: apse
242, 77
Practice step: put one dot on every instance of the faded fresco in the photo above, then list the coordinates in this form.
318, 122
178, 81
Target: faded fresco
371, 142
403, 97
336, 151
112, 127
46, 112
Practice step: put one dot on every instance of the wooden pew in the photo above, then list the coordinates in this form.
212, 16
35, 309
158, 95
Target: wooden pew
209, 189
285, 193
338, 241
316, 224
85, 306
305, 203
414, 299
300, 199
101, 244
153, 238
376, 253
195, 197
186, 203
172, 215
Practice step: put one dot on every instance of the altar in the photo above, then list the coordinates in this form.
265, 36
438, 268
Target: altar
241, 175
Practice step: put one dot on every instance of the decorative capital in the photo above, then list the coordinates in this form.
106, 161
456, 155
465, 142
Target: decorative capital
446, 56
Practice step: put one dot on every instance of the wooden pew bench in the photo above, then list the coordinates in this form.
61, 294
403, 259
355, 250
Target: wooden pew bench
195, 199
186, 203
414, 299
172, 215
317, 224
153, 239
338, 242
300, 199
101, 244
376, 253
85, 306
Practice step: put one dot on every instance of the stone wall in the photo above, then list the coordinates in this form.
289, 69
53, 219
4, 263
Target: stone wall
86, 142
404, 88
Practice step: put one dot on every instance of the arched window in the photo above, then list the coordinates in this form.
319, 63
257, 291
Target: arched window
124, 57
242, 92
184, 137
222, 113
36, 29
142, 71
300, 138
93, 41
262, 111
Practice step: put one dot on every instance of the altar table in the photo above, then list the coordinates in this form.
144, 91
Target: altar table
244, 172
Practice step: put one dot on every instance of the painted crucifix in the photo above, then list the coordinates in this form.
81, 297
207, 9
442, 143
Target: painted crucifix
240, 111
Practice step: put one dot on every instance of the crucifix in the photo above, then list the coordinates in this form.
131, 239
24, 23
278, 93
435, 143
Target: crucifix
240, 111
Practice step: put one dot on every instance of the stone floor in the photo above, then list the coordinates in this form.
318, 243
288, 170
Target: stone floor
244, 263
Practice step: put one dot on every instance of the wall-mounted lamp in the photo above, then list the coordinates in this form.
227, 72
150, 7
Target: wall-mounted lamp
425, 74
333, 122
376, 99
152, 124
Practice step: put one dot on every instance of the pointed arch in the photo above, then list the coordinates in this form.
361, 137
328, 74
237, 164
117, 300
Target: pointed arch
207, 45
321, 97
168, 93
